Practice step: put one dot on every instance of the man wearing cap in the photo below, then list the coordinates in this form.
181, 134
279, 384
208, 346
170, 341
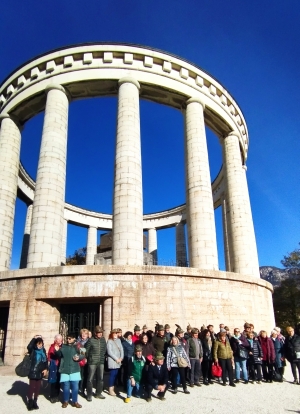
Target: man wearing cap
95, 354
136, 367
157, 378
136, 336
188, 334
159, 341
168, 334
195, 355
145, 329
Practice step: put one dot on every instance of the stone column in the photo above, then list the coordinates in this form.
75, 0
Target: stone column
107, 316
152, 245
201, 230
225, 234
64, 243
10, 143
241, 237
26, 238
91, 249
181, 257
48, 207
127, 246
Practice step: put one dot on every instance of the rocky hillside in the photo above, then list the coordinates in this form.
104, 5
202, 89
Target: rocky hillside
274, 275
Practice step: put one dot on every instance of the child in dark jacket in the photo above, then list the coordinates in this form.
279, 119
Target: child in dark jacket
38, 369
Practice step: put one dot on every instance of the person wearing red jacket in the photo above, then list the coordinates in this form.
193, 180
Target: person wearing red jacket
137, 333
54, 375
268, 358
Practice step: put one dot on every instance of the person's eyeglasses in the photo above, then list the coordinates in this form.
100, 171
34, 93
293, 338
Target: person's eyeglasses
236, 331
69, 338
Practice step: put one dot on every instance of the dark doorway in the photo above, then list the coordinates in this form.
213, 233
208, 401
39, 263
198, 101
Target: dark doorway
4, 311
74, 317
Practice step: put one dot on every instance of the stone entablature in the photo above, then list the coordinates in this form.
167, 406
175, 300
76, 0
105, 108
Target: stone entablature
164, 78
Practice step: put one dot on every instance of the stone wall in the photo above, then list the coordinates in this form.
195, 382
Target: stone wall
139, 294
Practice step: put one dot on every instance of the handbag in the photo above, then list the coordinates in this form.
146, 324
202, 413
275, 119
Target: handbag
182, 363
216, 370
243, 352
82, 363
22, 370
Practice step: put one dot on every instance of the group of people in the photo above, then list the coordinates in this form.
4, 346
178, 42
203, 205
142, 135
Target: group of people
141, 361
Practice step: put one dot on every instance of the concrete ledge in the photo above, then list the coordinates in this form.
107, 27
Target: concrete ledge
131, 270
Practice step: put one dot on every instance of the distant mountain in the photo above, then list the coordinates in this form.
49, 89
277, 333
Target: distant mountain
275, 275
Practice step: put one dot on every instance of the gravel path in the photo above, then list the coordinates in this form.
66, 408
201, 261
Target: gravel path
267, 398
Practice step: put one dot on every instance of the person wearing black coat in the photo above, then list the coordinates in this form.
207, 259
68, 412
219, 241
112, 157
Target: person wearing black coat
206, 364
157, 378
255, 358
38, 369
128, 347
291, 351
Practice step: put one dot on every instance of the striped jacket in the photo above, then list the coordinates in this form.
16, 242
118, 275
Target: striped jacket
172, 354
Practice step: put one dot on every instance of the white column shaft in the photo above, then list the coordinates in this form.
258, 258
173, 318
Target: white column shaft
202, 243
64, 242
241, 237
181, 256
48, 206
128, 197
152, 245
225, 236
91, 249
26, 238
10, 142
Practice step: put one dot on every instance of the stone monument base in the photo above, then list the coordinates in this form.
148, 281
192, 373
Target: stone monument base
124, 296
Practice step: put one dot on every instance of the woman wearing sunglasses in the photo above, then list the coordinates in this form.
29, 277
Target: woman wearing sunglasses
69, 370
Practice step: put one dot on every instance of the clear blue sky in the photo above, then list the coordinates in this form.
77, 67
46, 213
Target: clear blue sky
251, 47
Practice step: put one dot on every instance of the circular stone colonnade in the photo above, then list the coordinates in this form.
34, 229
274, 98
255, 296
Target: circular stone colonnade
126, 291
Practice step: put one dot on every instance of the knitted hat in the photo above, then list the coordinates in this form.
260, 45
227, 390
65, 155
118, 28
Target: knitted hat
159, 356
136, 328
98, 329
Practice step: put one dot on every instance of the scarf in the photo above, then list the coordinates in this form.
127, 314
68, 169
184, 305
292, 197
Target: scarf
129, 341
250, 342
40, 355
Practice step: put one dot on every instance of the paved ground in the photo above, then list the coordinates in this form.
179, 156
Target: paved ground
266, 398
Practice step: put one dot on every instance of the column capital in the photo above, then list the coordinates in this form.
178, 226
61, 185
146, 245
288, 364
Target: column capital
233, 134
57, 86
129, 79
197, 100
5, 115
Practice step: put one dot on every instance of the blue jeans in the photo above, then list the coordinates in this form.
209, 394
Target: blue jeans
113, 373
240, 363
130, 388
66, 386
